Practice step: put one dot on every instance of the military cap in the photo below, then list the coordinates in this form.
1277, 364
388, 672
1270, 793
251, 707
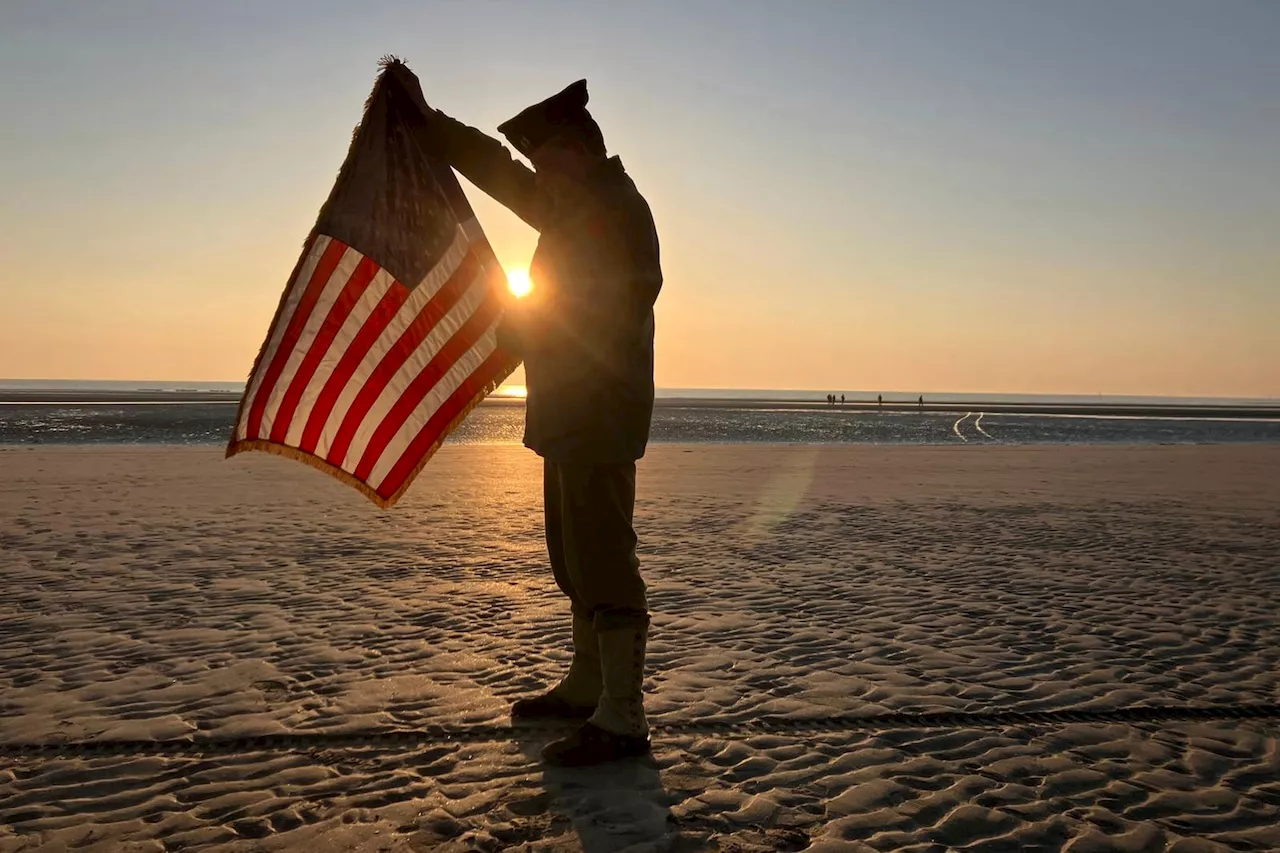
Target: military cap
542, 121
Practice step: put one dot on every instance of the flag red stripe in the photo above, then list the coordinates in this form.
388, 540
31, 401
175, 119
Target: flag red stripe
378, 320
439, 304
430, 432
456, 347
342, 307
324, 269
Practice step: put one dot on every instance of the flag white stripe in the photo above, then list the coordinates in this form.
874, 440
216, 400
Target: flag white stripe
332, 289
360, 312
456, 375
421, 295
296, 289
421, 356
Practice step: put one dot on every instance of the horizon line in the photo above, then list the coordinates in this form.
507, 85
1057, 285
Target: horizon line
238, 384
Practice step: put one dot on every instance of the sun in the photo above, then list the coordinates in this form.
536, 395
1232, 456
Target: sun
519, 282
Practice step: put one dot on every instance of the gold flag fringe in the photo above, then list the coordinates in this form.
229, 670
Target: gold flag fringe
306, 458
262, 351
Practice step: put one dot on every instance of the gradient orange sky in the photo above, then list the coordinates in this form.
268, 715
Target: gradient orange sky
916, 196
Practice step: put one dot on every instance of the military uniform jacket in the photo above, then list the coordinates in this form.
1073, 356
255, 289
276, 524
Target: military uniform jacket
586, 332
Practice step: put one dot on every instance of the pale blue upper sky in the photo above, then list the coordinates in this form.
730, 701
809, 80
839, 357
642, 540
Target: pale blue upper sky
992, 195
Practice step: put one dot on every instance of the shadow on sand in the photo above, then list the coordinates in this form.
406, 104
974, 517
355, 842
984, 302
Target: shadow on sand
612, 807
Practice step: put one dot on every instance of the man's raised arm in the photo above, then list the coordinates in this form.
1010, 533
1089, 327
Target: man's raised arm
487, 163
483, 160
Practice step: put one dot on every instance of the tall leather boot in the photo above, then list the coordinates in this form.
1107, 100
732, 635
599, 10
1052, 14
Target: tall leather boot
618, 728
578, 693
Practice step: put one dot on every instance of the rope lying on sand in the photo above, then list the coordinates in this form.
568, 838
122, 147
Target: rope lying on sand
431, 735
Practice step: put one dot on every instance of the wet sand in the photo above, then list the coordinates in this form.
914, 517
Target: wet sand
16, 398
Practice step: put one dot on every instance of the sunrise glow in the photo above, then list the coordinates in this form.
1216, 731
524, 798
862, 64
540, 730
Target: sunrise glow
519, 282
517, 391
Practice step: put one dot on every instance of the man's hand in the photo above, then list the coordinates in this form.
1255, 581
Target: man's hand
409, 82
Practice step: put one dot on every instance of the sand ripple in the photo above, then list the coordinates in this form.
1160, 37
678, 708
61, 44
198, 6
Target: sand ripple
167, 594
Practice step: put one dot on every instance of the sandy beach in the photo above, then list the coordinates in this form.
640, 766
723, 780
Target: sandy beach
167, 594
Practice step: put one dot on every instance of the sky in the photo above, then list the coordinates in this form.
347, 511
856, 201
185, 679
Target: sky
983, 196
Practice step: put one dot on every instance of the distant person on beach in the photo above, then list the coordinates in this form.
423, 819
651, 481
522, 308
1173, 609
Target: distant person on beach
842, 399
922, 402
880, 400
585, 334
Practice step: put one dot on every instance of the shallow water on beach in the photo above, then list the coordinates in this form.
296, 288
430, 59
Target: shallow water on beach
197, 423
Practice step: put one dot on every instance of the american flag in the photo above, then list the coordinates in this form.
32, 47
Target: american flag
385, 336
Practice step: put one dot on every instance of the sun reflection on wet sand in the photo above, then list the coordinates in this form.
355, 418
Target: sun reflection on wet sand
512, 392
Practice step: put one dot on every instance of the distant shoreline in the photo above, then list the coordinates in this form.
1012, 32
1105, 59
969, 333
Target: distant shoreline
143, 397
994, 408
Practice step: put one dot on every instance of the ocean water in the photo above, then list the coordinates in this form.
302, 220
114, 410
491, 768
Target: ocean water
10, 388
715, 421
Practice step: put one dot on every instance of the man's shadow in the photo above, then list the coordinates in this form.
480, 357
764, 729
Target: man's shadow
611, 806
